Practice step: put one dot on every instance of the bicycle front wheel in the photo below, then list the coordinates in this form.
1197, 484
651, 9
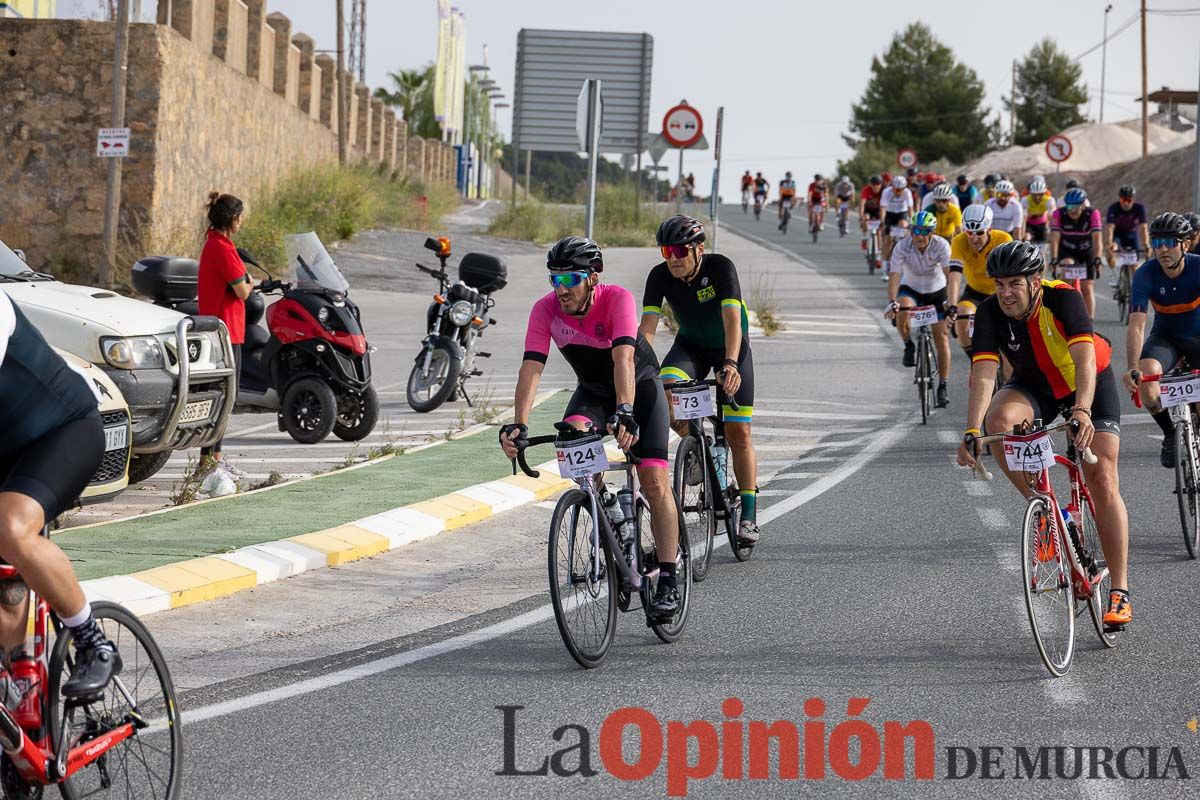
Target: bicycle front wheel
693, 487
922, 379
668, 631
1049, 597
584, 596
149, 764
1185, 486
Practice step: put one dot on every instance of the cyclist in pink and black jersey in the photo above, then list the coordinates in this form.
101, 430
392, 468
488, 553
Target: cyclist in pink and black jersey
595, 327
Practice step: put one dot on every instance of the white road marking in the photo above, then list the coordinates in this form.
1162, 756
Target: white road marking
823, 322
882, 442
978, 488
949, 437
992, 518
824, 333
832, 415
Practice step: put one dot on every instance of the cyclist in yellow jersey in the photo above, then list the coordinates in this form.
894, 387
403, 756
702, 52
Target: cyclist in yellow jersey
942, 203
968, 260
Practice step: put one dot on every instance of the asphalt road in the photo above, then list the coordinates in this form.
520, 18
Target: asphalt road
884, 573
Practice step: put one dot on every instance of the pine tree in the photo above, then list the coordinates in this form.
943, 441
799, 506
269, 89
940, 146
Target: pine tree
1049, 93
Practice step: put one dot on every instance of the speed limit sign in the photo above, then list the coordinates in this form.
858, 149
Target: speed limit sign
1058, 148
906, 157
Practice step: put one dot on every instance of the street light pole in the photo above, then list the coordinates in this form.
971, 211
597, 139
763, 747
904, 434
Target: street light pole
1104, 61
112, 205
340, 83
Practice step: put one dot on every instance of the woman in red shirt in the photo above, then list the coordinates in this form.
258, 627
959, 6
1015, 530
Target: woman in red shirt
223, 282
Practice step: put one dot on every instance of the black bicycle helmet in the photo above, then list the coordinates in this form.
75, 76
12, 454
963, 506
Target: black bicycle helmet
1194, 220
1127, 191
1170, 225
876, 180
572, 253
680, 230
1072, 184
1012, 259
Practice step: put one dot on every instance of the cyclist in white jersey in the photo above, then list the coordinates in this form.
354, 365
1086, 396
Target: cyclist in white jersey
1007, 215
897, 203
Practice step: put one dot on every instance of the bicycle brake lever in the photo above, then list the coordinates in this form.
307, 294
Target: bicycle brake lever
980, 470
1089, 456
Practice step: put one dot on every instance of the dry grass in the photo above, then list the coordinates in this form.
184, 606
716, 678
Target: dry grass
763, 304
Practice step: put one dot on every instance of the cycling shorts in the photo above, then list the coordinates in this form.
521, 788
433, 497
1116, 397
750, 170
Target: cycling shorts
1168, 350
871, 213
1125, 240
1106, 405
1093, 271
893, 218
973, 297
649, 411
55, 469
761, 193
936, 299
685, 362
1037, 231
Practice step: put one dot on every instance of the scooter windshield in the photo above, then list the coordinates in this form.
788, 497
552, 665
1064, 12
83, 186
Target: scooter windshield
311, 265
10, 263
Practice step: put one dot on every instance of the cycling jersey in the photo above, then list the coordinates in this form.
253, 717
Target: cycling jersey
948, 221
1176, 301
761, 186
972, 264
1126, 221
924, 272
871, 199
1076, 234
697, 305
897, 202
747, 181
844, 190
1038, 207
1007, 217
39, 391
816, 193
1038, 347
787, 188
965, 197
586, 343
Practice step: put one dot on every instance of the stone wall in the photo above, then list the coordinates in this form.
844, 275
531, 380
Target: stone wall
227, 99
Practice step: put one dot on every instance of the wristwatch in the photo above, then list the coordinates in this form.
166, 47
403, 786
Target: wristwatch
625, 409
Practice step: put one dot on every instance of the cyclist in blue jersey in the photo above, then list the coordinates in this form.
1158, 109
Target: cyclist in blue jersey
52, 446
1170, 282
704, 294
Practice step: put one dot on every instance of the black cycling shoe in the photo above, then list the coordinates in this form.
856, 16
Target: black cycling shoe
665, 604
1166, 456
943, 396
94, 668
910, 355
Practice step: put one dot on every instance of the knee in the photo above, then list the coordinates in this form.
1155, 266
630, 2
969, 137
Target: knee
15, 529
1000, 420
1104, 485
655, 485
738, 435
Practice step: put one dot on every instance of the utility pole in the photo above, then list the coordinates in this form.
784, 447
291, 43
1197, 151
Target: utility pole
1145, 91
112, 204
1104, 60
1012, 107
528, 170
1196, 159
343, 127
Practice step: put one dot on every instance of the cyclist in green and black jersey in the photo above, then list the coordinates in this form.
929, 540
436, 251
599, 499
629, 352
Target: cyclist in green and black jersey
706, 300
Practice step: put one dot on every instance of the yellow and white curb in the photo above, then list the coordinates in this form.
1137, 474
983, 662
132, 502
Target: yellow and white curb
210, 577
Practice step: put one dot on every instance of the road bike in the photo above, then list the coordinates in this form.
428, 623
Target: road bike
1127, 261
843, 218
1180, 390
596, 566
923, 318
758, 205
126, 741
745, 200
785, 214
1062, 565
816, 217
871, 245
704, 483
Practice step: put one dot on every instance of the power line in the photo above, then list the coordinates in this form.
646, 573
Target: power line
1124, 26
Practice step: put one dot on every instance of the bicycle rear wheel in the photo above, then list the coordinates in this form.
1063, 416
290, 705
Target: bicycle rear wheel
787, 216
922, 380
648, 556
1124, 285
149, 764
1049, 597
1185, 486
585, 603
693, 488
1093, 562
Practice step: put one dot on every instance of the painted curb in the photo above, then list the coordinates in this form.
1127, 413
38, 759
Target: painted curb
199, 579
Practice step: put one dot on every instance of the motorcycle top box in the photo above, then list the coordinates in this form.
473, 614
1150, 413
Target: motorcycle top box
166, 279
483, 272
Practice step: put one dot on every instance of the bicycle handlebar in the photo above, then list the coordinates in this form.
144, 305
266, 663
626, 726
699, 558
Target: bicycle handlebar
710, 382
982, 472
550, 438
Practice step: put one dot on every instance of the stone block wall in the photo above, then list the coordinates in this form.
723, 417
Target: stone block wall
226, 98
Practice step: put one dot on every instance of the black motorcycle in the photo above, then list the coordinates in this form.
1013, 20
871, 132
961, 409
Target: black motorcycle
311, 363
455, 321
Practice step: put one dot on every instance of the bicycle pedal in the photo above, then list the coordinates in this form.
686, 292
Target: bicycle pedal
1111, 628
482, 354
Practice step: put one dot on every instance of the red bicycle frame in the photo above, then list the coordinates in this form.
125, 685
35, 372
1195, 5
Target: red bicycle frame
1082, 583
37, 759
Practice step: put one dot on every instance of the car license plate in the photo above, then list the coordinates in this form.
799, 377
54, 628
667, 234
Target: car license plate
194, 412
116, 438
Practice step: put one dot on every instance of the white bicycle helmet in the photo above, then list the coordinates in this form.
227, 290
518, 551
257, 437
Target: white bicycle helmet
1037, 185
943, 192
977, 219
845, 179
899, 182
1004, 187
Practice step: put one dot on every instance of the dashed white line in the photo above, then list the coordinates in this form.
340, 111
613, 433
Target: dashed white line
978, 488
948, 437
992, 518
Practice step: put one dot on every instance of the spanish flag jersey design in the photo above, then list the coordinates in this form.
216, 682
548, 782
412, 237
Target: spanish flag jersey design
1038, 347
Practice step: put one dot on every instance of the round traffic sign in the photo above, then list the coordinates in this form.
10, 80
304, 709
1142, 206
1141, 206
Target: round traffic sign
906, 157
1058, 148
682, 126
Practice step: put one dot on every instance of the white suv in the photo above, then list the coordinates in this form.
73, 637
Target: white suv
174, 403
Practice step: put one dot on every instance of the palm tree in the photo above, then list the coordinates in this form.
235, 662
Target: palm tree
413, 94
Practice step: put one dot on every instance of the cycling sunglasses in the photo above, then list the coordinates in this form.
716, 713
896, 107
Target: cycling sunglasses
1157, 243
921, 231
1074, 207
567, 280
676, 250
